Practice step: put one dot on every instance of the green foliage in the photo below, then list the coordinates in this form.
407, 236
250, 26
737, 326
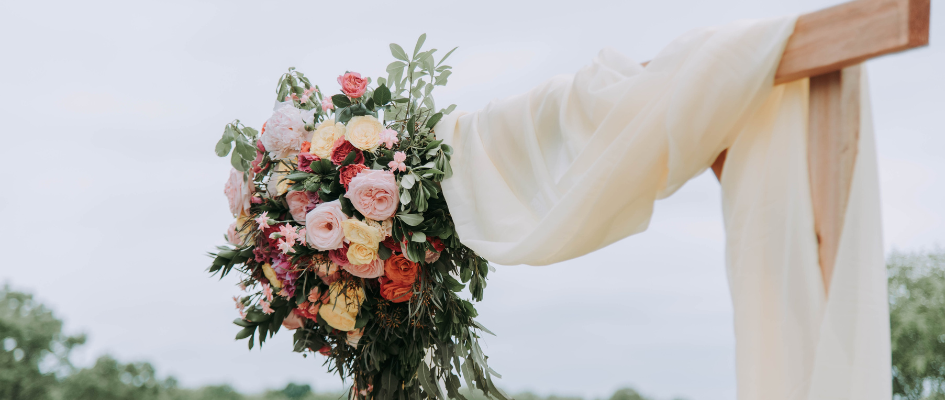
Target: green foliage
917, 322
110, 380
33, 348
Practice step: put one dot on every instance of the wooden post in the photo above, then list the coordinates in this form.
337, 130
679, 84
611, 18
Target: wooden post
832, 138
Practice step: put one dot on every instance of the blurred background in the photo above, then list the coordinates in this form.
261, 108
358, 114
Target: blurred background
110, 112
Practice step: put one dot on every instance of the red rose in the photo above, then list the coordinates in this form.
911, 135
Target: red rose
437, 243
348, 172
392, 244
306, 160
395, 291
341, 149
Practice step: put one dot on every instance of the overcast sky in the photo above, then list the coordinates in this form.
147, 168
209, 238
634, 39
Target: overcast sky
112, 193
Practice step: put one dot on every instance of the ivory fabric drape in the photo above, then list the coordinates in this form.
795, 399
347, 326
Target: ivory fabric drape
577, 163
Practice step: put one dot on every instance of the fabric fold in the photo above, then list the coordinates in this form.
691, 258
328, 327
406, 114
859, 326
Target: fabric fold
576, 164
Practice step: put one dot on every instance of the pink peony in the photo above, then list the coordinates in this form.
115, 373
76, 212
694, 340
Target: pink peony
238, 193
300, 203
352, 84
373, 269
323, 226
374, 193
285, 131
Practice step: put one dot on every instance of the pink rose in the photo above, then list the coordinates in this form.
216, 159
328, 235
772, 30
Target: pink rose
232, 235
293, 321
352, 84
300, 203
374, 193
370, 270
323, 226
285, 131
238, 193
306, 160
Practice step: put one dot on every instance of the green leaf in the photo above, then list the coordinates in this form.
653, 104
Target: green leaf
381, 95
340, 101
223, 147
420, 41
237, 162
298, 176
362, 319
246, 150
411, 125
408, 181
395, 66
383, 252
250, 132
446, 56
411, 219
398, 52
433, 120
419, 237
245, 332
405, 197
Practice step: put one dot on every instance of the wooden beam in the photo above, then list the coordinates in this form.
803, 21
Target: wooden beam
850, 33
832, 139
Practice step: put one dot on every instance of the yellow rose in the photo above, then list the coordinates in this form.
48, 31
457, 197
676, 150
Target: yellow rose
364, 132
325, 136
278, 186
344, 303
271, 276
361, 233
360, 254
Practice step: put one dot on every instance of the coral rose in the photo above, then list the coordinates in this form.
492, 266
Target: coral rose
285, 130
360, 254
364, 132
400, 270
370, 270
323, 226
375, 194
239, 193
394, 291
361, 233
300, 203
352, 84
348, 172
341, 149
325, 136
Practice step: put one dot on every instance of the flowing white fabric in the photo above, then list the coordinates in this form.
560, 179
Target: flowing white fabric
577, 163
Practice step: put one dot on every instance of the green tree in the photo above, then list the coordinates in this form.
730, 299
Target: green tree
34, 348
110, 380
917, 322
627, 394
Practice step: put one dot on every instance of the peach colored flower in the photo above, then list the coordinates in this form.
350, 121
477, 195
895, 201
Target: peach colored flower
375, 194
293, 321
352, 84
323, 226
370, 270
238, 192
300, 203
359, 232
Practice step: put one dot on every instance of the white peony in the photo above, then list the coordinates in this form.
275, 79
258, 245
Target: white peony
285, 131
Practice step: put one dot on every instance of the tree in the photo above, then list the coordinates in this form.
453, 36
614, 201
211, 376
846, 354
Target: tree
110, 380
33, 348
917, 323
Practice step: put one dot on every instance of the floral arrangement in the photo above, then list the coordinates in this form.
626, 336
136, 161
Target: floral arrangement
342, 234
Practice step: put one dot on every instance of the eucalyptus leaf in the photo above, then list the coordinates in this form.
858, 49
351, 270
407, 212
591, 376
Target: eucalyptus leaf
398, 52
420, 41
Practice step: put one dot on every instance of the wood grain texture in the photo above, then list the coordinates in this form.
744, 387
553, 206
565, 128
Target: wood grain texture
850, 33
833, 136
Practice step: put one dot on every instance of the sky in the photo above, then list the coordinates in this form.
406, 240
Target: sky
112, 194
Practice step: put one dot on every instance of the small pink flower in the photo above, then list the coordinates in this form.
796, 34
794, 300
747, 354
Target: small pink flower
239, 304
290, 234
389, 138
285, 247
265, 307
352, 84
243, 286
263, 220
327, 105
267, 291
242, 314
314, 294
398, 163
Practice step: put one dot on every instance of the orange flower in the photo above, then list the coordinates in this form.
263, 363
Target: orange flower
399, 269
396, 291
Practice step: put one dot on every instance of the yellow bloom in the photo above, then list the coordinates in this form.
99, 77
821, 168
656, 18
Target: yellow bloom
360, 254
271, 276
344, 303
361, 233
325, 136
244, 227
364, 132
278, 186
